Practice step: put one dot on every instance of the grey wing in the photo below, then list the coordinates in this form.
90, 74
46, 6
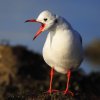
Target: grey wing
80, 38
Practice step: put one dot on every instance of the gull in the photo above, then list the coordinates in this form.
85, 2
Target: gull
63, 50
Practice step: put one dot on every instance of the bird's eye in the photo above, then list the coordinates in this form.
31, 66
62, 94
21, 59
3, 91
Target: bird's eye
45, 19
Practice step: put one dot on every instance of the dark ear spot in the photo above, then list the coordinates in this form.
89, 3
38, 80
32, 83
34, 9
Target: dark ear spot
45, 19
56, 21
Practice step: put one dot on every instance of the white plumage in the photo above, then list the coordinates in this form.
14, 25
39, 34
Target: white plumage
63, 47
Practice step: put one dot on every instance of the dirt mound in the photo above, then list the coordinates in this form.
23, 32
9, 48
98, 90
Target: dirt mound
25, 76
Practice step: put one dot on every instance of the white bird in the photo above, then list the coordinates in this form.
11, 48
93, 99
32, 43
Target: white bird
63, 49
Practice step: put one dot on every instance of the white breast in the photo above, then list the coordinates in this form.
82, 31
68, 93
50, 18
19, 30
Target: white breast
63, 50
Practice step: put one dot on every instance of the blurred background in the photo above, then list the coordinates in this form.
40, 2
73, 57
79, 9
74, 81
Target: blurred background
20, 55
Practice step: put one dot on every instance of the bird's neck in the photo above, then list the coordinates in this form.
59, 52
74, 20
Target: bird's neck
58, 28
61, 24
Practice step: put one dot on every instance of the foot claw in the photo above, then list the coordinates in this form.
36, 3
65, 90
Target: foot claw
68, 92
51, 91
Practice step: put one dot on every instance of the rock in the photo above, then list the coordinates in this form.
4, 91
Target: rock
25, 76
7, 64
92, 52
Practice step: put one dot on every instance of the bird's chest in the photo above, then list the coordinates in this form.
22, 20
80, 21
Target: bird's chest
56, 49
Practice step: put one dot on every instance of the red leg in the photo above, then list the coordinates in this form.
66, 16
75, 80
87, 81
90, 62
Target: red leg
67, 85
51, 77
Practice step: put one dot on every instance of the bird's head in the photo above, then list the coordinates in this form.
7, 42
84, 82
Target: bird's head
47, 21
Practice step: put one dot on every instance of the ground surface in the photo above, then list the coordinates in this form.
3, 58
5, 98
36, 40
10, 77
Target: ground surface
25, 76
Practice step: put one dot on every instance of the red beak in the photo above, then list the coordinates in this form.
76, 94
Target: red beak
40, 29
